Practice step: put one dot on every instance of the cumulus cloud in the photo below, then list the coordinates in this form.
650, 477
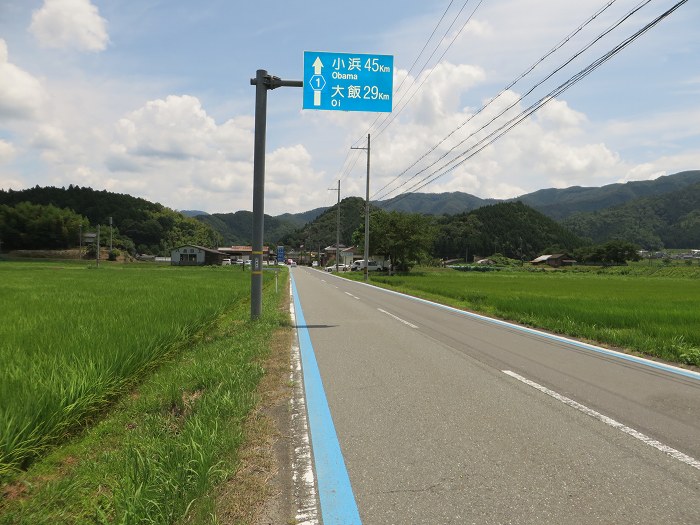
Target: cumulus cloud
7, 151
49, 137
21, 94
70, 24
172, 146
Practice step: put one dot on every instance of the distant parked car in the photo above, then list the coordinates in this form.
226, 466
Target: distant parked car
226, 262
293, 264
341, 268
372, 266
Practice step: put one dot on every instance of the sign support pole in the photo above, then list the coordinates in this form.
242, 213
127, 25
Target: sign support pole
262, 83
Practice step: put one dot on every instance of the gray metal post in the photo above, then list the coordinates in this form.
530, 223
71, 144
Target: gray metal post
337, 233
97, 252
262, 83
256, 279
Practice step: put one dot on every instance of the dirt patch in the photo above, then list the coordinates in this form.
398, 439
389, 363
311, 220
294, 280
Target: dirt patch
260, 493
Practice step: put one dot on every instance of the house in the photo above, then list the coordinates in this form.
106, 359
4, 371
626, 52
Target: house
193, 255
346, 253
555, 260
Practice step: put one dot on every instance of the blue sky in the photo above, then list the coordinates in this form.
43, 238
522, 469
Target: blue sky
153, 97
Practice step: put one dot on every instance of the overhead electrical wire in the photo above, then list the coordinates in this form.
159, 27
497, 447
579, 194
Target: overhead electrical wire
390, 117
558, 46
398, 89
495, 135
522, 97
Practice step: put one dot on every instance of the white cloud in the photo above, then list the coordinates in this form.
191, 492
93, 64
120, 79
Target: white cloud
177, 127
70, 24
21, 95
172, 151
7, 151
49, 137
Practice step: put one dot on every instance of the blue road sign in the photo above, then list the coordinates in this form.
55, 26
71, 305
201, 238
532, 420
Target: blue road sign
348, 82
280, 254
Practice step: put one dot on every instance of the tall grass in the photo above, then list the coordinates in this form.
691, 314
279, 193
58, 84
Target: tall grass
73, 337
658, 316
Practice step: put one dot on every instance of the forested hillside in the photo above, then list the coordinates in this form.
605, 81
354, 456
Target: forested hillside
666, 221
54, 216
435, 203
509, 228
322, 231
562, 203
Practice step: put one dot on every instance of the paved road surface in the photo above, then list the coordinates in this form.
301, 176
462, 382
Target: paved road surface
434, 431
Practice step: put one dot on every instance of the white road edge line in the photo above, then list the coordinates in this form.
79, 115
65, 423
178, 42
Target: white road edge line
676, 454
303, 476
397, 318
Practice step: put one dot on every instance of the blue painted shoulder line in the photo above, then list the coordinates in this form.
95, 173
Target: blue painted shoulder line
338, 506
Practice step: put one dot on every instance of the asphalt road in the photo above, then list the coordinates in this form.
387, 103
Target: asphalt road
433, 430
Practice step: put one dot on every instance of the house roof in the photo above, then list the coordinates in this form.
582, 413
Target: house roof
241, 248
209, 250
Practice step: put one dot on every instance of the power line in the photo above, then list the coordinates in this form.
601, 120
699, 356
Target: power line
345, 172
479, 146
393, 115
518, 100
558, 46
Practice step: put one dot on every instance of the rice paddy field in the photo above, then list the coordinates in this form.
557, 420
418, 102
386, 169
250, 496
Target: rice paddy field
73, 338
655, 312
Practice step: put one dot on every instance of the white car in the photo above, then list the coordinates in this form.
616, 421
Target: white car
371, 266
341, 268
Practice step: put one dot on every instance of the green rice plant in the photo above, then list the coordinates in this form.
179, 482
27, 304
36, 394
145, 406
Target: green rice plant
72, 339
648, 312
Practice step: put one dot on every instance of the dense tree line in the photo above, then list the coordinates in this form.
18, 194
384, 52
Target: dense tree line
29, 226
50, 217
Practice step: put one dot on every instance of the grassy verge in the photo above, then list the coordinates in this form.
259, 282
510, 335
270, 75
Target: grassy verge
644, 311
163, 446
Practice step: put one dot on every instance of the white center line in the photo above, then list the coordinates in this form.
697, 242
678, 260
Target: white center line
353, 296
397, 318
676, 454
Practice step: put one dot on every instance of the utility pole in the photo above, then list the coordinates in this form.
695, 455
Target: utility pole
97, 252
337, 229
367, 212
262, 82
110, 236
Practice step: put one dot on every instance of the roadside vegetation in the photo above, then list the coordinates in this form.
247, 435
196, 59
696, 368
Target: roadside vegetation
124, 390
650, 310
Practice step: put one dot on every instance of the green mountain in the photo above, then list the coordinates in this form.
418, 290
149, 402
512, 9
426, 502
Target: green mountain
321, 232
237, 228
435, 203
670, 220
562, 203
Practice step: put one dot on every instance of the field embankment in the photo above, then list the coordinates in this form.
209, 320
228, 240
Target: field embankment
651, 311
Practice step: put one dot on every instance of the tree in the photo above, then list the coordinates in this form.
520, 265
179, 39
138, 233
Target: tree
405, 238
612, 252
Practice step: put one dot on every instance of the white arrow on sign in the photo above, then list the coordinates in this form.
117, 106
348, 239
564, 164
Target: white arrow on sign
318, 66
